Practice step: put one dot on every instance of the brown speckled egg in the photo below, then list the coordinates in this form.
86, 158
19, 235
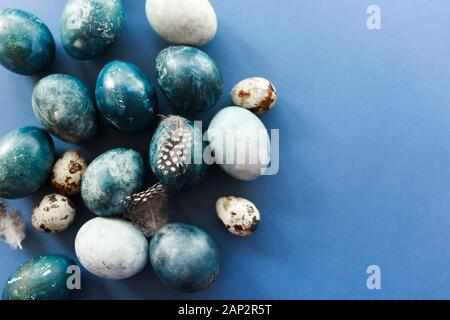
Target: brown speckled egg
55, 213
255, 94
240, 216
68, 172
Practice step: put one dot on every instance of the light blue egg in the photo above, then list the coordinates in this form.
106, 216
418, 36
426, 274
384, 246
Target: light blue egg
26, 160
110, 178
189, 78
196, 264
125, 97
26, 44
64, 107
90, 27
42, 278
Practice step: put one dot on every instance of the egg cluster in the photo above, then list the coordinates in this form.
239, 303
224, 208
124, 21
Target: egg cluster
114, 245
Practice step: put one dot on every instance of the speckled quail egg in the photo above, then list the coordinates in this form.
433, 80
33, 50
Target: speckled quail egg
240, 216
55, 213
68, 172
255, 94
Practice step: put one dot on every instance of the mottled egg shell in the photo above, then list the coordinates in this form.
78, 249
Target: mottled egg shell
26, 44
110, 178
255, 94
189, 78
184, 257
125, 97
240, 143
90, 27
68, 172
176, 154
42, 278
111, 248
26, 160
64, 107
189, 22
54, 213
240, 216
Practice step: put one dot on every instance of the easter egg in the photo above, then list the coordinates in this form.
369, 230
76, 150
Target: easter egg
27, 46
90, 27
240, 216
42, 278
68, 172
240, 143
255, 94
125, 97
111, 248
64, 107
189, 78
189, 22
54, 213
26, 159
176, 154
184, 257
111, 177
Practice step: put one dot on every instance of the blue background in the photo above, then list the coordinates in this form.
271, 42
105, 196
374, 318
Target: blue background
364, 119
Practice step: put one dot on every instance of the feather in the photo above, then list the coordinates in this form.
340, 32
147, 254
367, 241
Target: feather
148, 210
12, 228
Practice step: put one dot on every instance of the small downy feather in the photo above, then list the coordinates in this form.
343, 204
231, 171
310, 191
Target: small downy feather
148, 210
12, 228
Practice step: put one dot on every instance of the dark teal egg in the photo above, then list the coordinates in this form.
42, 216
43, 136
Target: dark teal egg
110, 178
26, 160
42, 278
125, 97
90, 27
26, 44
64, 107
189, 78
196, 264
176, 154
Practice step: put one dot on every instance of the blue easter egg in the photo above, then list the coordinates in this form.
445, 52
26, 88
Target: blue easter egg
189, 78
26, 44
125, 97
42, 278
110, 178
176, 154
90, 27
196, 264
64, 107
26, 160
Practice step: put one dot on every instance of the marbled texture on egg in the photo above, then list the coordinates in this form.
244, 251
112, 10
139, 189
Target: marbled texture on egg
176, 154
110, 178
90, 27
125, 97
68, 172
255, 94
26, 160
189, 78
27, 46
240, 216
240, 143
42, 278
111, 248
189, 22
64, 107
184, 257
54, 213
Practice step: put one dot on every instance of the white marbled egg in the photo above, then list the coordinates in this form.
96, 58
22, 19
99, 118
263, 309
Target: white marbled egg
188, 22
111, 248
68, 172
240, 216
255, 94
55, 213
